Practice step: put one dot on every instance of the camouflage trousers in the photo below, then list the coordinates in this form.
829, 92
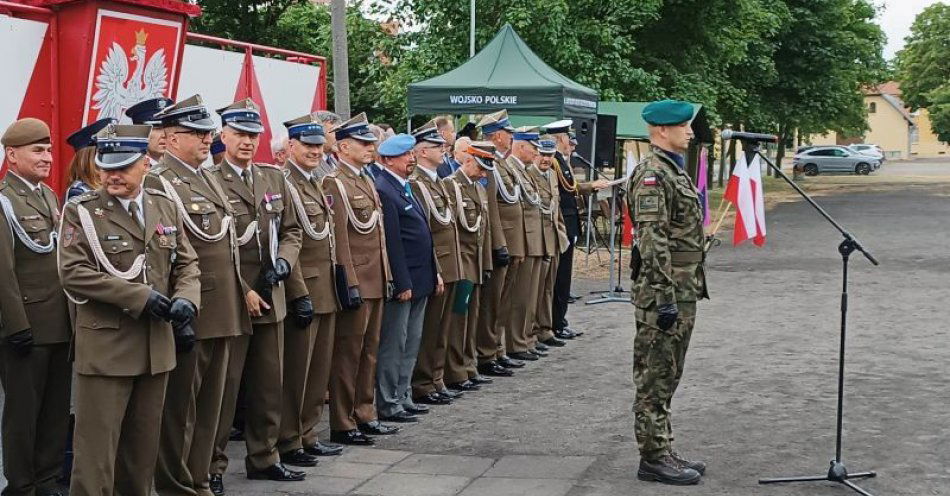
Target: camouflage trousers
658, 358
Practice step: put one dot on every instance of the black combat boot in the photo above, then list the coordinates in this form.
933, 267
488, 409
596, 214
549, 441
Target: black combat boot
695, 465
667, 471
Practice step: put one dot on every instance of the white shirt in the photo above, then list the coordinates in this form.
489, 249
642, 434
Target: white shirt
402, 182
358, 172
432, 173
138, 199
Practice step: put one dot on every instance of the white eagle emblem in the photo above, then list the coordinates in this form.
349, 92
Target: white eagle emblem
116, 91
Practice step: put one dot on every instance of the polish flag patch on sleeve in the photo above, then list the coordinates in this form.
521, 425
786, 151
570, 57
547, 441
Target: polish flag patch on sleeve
649, 181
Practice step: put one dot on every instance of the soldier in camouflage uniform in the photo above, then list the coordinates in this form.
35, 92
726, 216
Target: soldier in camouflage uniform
668, 280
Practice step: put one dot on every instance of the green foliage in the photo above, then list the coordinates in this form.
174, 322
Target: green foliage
762, 63
924, 67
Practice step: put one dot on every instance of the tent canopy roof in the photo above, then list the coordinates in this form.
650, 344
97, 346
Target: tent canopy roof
505, 74
630, 123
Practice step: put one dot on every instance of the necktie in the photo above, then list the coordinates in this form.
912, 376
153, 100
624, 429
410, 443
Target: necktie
408, 189
246, 176
134, 212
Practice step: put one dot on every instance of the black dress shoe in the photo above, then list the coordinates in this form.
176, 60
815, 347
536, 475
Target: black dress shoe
464, 386
216, 484
553, 341
509, 363
540, 346
433, 398
277, 472
564, 334
324, 449
478, 379
417, 409
574, 331
494, 369
376, 428
354, 438
450, 394
523, 356
236, 435
298, 458
538, 353
402, 417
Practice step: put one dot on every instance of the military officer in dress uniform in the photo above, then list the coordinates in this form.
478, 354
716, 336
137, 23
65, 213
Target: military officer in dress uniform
470, 201
555, 240
34, 319
308, 341
126, 261
269, 239
506, 221
428, 378
570, 191
520, 296
196, 386
665, 209
144, 113
361, 251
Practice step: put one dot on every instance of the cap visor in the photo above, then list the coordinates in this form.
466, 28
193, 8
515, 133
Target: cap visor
364, 137
485, 163
247, 127
199, 125
115, 161
314, 139
437, 140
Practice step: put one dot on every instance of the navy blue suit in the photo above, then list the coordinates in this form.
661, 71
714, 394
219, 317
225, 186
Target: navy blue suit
447, 167
408, 239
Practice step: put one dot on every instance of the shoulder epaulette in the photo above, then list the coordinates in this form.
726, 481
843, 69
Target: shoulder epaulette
158, 169
265, 166
89, 195
157, 192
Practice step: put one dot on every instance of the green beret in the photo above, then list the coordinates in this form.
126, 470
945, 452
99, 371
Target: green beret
667, 113
26, 132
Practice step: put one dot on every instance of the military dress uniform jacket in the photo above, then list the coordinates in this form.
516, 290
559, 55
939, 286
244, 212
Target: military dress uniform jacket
114, 336
436, 201
360, 250
665, 208
206, 204
471, 203
510, 206
314, 273
268, 203
531, 206
555, 237
33, 299
570, 190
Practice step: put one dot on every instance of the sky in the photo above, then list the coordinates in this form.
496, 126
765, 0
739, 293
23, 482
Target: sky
896, 19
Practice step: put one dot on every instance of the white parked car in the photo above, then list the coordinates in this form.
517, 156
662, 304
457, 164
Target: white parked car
869, 150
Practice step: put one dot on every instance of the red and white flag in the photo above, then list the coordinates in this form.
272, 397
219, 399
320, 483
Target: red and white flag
745, 192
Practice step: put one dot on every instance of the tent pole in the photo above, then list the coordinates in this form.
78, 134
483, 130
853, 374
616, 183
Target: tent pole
590, 197
471, 29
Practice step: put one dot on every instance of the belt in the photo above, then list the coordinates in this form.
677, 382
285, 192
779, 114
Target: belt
686, 257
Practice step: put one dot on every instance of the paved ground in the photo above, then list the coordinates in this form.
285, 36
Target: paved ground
758, 396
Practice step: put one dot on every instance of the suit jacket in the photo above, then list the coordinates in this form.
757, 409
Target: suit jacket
313, 274
444, 236
269, 204
223, 311
408, 240
114, 335
534, 239
511, 215
448, 166
474, 247
570, 189
362, 254
31, 296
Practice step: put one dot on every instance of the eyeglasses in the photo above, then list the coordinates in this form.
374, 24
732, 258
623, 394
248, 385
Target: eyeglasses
196, 133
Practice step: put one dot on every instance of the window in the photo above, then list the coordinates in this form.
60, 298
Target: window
872, 107
824, 152
840, 153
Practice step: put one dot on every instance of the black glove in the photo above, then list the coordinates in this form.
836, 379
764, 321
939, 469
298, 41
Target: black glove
355, 297
667, 316
182, 311
184, 337
390, 291
301, 309
281, 269
21, 342
157, 305
500, 256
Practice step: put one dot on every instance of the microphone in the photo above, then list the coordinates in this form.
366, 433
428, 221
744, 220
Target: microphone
729, 134
582, 160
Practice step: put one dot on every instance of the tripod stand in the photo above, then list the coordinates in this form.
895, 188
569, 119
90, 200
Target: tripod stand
837, 472
615, 294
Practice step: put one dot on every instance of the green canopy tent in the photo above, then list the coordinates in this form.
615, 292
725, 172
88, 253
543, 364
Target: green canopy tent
505, 74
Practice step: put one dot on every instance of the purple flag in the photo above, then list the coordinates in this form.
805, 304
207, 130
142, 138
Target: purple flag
701, 184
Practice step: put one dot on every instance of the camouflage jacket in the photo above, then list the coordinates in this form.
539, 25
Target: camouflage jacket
665, 209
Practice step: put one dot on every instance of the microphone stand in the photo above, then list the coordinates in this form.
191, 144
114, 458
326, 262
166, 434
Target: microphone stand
615, 294
837, 472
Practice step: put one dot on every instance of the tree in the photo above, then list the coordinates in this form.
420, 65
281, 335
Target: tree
924, 67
